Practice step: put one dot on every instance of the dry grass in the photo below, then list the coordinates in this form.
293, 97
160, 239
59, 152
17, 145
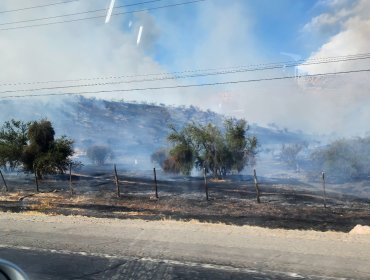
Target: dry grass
132, 213
80, 199
11, 196
43, 205
213, 180
35, 213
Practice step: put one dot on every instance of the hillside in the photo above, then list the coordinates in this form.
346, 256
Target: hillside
132, 130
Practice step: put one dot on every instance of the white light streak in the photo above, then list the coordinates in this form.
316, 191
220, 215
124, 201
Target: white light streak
110, 10
139, 35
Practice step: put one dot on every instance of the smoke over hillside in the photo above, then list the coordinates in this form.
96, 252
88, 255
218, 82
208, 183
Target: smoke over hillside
132, 130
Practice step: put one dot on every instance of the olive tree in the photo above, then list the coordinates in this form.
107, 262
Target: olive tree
220, 152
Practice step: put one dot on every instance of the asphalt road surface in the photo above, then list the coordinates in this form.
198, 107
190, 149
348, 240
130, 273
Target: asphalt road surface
59, 247
48, 264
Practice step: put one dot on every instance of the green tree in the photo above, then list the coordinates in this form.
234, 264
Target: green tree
13, 139
242, 148
206, 146
182, 154
44, 154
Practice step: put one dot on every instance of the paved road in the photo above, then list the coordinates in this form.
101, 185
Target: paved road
46, 264
49, 247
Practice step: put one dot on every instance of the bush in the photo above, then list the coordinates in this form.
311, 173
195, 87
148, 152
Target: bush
99, 154
345, 158
289, 153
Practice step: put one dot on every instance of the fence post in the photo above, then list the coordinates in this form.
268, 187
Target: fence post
6, 186
323, 186
256, 185
155, 182
117, 182
37, 182
205, 182
70, 178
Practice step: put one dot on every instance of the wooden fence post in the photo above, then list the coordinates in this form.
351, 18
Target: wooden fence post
155, 182
323, 186
70, 178
37, 182
6, 186
256, 185
117, 182
205, 182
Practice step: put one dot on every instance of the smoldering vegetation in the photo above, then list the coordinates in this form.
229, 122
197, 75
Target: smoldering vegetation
285, 203
345, 159
289, 169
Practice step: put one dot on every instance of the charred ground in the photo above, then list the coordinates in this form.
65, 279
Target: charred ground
285, 203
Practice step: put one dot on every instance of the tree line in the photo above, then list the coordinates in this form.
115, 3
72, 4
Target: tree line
33, 147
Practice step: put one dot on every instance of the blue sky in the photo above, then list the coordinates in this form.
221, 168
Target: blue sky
279, 23
276, 28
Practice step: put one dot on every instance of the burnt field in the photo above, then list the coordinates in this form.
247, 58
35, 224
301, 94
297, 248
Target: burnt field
289, 203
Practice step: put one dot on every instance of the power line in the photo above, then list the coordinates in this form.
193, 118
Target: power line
79, 13
39, 6
175, 75
103, 16
189, 85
